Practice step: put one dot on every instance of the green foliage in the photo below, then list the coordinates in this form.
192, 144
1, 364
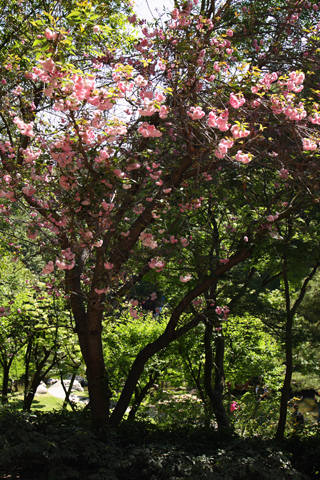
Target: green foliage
251, 351
124, 338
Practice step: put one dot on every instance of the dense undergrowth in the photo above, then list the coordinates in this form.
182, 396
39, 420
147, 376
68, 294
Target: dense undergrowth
61, 445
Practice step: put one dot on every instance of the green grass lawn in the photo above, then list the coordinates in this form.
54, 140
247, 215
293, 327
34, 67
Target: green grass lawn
44, 402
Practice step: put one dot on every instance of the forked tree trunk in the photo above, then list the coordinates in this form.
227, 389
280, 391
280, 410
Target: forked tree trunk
67, 392
38, 377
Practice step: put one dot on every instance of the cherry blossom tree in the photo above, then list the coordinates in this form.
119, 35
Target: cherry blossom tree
109, 152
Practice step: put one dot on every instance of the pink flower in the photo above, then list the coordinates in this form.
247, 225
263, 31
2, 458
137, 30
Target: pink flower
234, 406
48, 268
284, 174
229, 32
96, 29
101, 290
49, 34
32, 234
236, 101
243, 157
222, 121
212, 122
149, 131
238, 132
196, 113
163, 111
309, 144
108, 265
157, 263
185, 278
132, 19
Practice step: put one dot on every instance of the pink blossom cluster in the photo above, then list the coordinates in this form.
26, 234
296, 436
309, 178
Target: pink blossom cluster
147, 240
107, 206
196, 113
236, 101
272, 218
50, 35
8, 194
296, 79
32, 234
133, 166
76, 90
181, 17
222, 311
223, 147
194, 205
164, 111
234, 406
47, 65
309, 144
315, 119
243, 157
156, 263
134, 313
140, 81
147, 130
62, 152
148, 110
283, 173
4, 311
108, 265
48, 268
151, 107
184, 242
186, 278
68, 261
25, 129
30, 155
28, 190
239, 131
295, 113
115, 130
18, 90
100, 291
220, 122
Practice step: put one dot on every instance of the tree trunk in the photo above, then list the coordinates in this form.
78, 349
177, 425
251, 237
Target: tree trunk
5, 383
168, 336
98, 381
38, 378
215, 394
287, 381
288, 340
28, 399
139, 396
67, 392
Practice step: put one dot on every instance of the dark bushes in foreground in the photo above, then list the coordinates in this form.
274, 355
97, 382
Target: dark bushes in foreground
61, 445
